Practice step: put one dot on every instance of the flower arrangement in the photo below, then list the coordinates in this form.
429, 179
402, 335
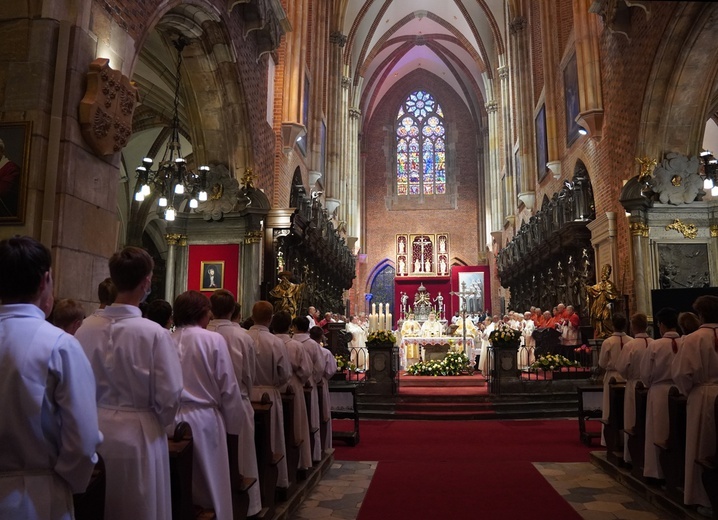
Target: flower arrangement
381, 336
583, 349
552, 362
343, 364
504, 336
454, 364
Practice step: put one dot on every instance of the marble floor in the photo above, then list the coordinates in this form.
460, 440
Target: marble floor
594, 494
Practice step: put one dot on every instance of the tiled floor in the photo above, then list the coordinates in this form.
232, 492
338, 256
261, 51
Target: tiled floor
340, 492
593, 493
596, 495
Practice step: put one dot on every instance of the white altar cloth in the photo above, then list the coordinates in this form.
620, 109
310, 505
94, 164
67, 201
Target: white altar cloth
454, 343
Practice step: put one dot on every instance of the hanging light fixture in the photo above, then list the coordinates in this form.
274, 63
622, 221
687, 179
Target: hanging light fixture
172, 179
710, 172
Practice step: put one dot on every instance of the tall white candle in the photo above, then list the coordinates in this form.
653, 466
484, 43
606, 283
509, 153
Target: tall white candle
373, 308
381, 316
372, 323
388, 321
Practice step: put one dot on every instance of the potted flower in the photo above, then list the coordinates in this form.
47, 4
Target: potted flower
504, 336
380, 337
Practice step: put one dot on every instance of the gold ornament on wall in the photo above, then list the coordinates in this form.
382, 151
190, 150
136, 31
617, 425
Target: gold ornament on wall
639, 229
689, 231
647, 167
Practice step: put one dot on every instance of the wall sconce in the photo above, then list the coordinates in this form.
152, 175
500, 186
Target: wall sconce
710, 172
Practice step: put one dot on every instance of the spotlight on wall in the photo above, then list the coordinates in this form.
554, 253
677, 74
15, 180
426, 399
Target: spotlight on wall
582, 131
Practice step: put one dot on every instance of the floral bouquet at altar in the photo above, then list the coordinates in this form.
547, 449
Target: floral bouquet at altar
504, 336
553, 362
454, 364
380, 337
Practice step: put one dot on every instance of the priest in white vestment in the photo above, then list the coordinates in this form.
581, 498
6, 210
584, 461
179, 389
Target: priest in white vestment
273, 371
301, 373
695, 373
359, 354
242, 352
608, 358
629, 366
49, 427
300, 328
656, 375
432, 328
211, 401
139, 382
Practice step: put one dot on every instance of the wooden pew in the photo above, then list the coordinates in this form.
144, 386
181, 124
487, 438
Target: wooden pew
323, 421
180, 450
613, 427
312, 431
710, 468
267, 461
292, 444
239, 483
637, 434
90, 505
673, 450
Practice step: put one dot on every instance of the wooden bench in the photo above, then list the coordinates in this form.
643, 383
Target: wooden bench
267, 460
323, 421
292, 444
344, 406
90, 505
180, 450
673, 451
239, 483
637, 434
312, 431
710, 468
613, 426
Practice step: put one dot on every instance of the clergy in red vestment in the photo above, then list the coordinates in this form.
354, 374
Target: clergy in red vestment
9, 181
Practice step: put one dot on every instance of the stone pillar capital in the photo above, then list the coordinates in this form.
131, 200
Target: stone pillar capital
346, 82
503, 72
492, 107
517, 25
337, 38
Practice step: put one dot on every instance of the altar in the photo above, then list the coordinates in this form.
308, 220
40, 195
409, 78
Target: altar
431, 349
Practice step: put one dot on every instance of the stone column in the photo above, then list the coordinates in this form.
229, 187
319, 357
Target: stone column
510, 208
251, 265
181, 267
551, 60
589, 68
334, 115
492, 175
352, 209
641, 269
172, 240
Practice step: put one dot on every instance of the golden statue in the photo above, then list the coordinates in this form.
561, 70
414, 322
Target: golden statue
286, 295
600, 299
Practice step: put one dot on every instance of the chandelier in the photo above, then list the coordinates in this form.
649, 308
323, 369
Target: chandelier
172, 181
710, 172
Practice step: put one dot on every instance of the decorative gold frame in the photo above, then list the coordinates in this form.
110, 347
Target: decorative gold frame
204, 282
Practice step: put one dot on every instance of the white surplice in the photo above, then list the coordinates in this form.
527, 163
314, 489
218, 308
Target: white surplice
359, 354
242, 351
330, 368
695, 373
48, 432
656, 375
629, 366
211, 403
485, 344
301, 373
607, 359
313, 350
139, 381
272, 372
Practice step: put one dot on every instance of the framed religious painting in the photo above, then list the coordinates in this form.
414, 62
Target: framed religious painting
212, 275
423, 255
14, 166
570, 88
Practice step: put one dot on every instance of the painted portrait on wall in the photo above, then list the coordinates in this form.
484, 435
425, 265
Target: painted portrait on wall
212, 275
14, 159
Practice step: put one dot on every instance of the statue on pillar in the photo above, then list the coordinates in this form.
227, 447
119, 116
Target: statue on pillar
601, 297
286, 295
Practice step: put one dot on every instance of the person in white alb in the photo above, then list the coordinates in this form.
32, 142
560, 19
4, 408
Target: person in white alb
211, 401
526, 353
629, 366
242, 352
301, 373
139, 381
48, 431
607, 359
656, 375
272, 373
330, 368
431, 328
300, 330
695, 373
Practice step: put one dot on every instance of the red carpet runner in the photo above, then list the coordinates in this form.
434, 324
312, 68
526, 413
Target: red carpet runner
464, 470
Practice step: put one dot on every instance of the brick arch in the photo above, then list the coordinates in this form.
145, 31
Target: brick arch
680, 97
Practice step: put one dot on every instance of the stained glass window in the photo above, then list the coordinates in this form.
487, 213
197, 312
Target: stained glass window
420, 146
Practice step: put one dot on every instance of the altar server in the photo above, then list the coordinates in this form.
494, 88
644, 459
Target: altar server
139, 381
211, 401
300, 330
330, 368
242, 352
610, 351
629, 366
273, 371
49, 427
301, 373
695, 373
656, 375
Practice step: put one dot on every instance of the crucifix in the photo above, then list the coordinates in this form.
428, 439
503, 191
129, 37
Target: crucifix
463, 294
423, 242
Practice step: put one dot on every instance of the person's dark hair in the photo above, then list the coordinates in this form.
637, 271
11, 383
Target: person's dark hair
236, 312
159, 311
668, 317
190, 307
23, 263
129, 267
688, 322
223, 303
619, 322
248, 323
301, 323
66, 312
706, 307
316, 333
639, 322
106, 292
280, 322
